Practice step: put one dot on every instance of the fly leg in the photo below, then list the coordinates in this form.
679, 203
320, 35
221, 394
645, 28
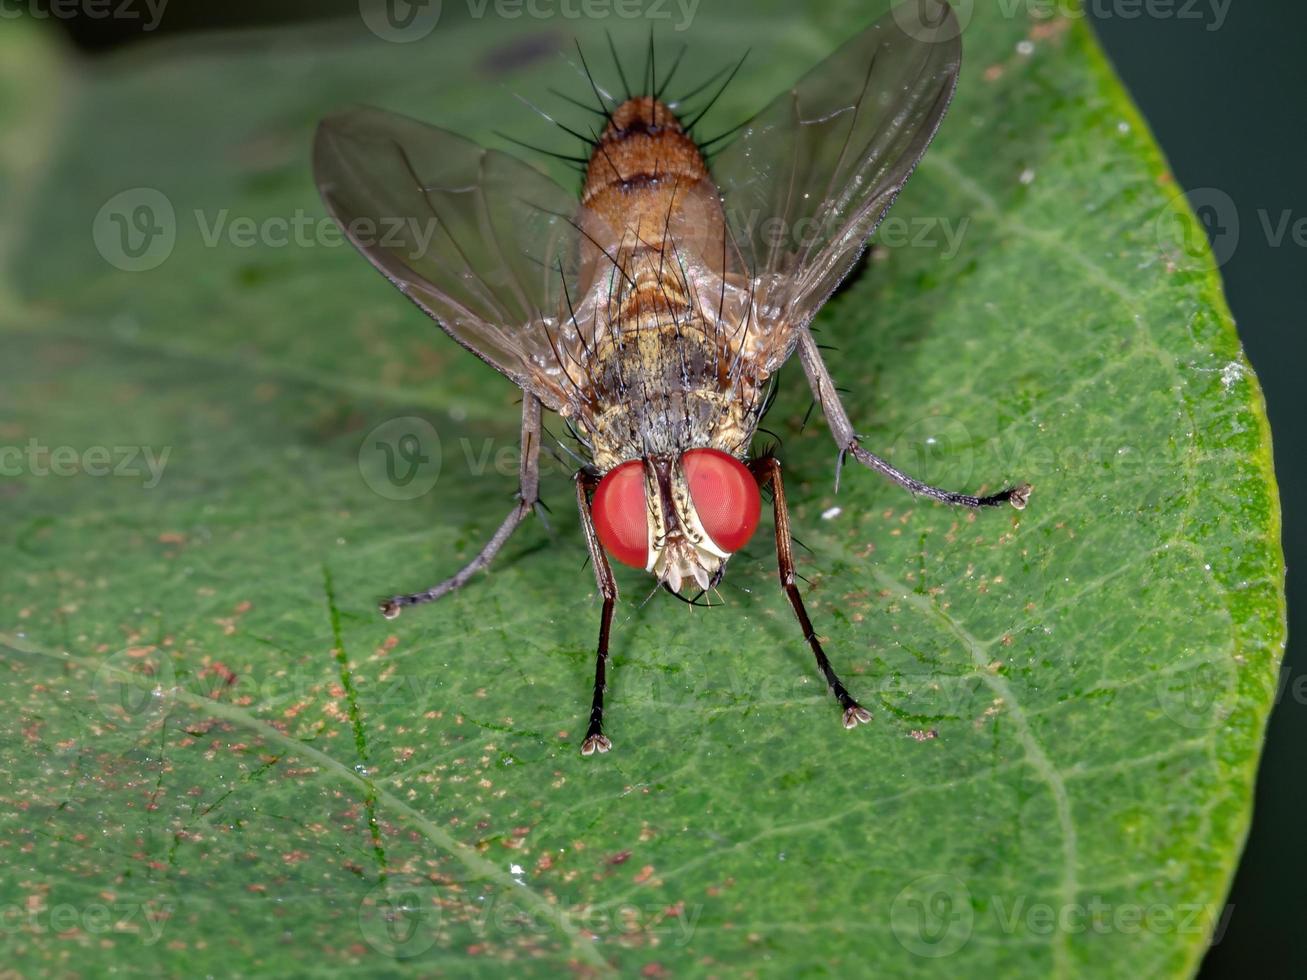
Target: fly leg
595, 739
527, 497
768, 470
823, 389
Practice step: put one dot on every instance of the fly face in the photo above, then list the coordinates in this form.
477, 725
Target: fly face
679, 518
652, 313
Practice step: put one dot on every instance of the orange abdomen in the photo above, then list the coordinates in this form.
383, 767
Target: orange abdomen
642, 159
656, 205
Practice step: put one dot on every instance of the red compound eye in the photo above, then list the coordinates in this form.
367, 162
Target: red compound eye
725, 496
620, 516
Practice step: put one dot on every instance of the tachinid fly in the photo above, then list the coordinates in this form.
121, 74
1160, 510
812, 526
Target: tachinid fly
652, 314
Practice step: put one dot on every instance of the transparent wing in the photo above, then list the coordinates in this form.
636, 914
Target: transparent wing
811, 176
477, 239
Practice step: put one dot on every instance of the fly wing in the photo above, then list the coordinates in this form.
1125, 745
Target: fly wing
477, 239
811, 176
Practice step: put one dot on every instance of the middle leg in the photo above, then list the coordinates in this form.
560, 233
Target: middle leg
823, 389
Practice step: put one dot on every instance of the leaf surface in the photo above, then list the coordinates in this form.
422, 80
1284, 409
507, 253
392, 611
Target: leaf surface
220, 759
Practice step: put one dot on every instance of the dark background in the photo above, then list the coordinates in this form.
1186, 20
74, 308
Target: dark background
1222, 83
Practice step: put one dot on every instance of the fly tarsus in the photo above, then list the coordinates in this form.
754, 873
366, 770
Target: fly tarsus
855, 715
1017, 495
595, 739
598, 742
527, 499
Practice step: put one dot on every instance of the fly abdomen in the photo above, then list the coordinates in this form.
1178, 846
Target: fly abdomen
642, 153
648, 183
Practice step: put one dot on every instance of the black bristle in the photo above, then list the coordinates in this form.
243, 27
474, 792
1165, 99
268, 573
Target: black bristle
711, 102
672, 71
612, 48
539, 149
591, 79
577, 102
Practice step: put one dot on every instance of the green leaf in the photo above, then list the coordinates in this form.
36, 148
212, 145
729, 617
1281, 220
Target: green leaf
220, 759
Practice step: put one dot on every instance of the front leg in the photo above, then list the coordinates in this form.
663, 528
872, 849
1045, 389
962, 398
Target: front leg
767, 470
823, 389
595, 739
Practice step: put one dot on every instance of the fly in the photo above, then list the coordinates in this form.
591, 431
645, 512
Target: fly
653, 314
